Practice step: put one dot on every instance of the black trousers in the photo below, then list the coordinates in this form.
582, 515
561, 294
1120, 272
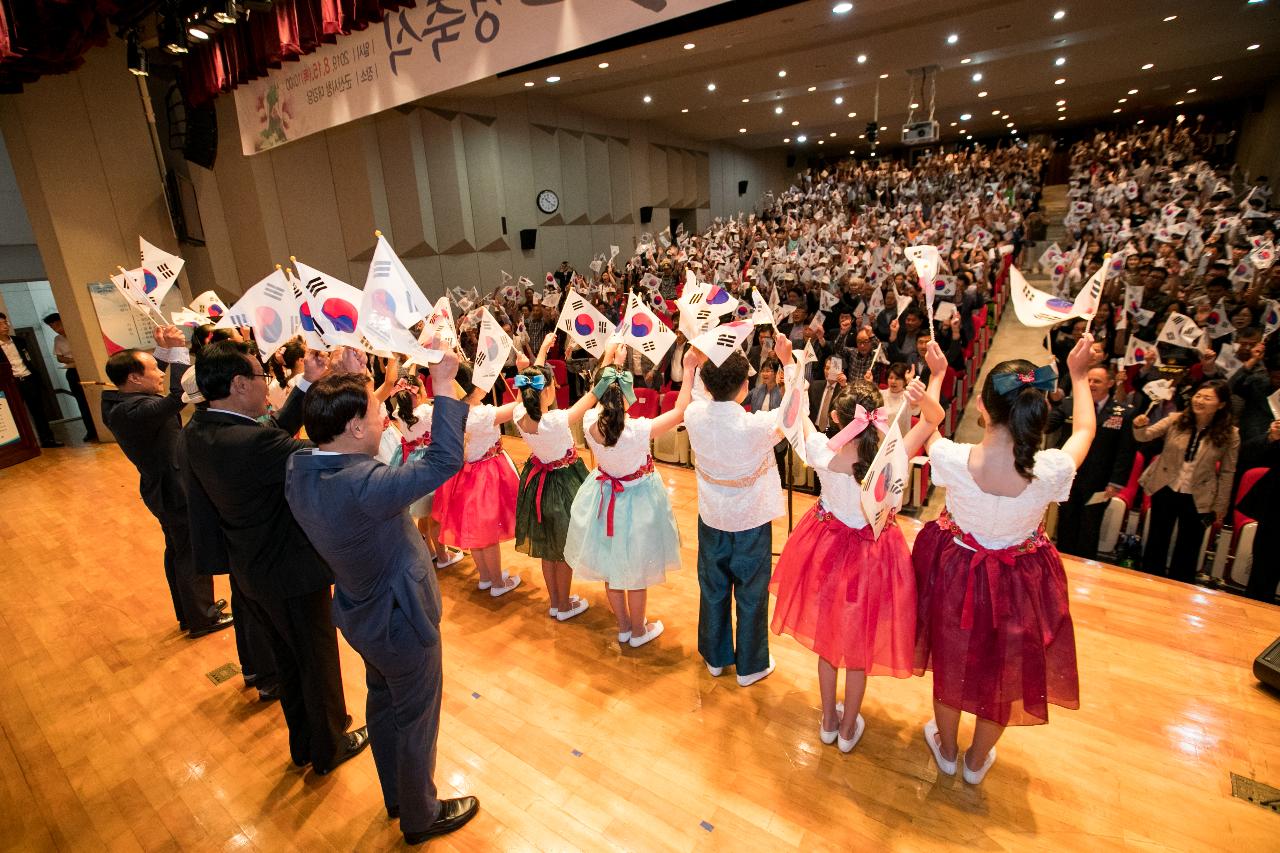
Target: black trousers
1168, 508
1265, 574
1079, 526
192, 593
253, 643
86, 416
33, 395
305, 645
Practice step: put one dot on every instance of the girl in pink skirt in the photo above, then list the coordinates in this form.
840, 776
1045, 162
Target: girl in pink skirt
994, 624
843, 593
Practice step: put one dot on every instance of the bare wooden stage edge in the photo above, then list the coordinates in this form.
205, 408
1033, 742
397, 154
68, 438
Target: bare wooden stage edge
115, 739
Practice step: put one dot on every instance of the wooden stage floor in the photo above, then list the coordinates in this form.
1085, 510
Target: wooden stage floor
114, 739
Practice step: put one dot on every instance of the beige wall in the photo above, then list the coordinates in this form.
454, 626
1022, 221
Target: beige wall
1259, 151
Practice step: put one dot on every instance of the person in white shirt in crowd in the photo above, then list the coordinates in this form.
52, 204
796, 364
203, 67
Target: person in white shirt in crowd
62, 352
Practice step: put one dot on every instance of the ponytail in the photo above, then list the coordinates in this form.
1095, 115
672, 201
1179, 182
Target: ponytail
845, 405
530, 397
1023, 411
613, 415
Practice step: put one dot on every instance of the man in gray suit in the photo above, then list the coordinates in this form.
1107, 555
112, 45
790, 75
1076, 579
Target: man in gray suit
354, 509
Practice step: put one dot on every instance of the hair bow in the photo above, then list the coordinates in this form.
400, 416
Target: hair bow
625, 382
861, 420
537, 383
1045, 378
403, 385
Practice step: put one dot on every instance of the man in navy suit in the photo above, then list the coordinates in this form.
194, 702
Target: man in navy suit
386, 601
146, 423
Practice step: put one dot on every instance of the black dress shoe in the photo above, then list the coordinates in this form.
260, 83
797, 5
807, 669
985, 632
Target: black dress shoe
453, 814
353, 743
269, 694
223, 621
393, 812
216, 608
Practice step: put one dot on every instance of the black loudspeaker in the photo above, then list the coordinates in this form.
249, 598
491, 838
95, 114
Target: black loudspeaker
200, 142
646, 215
528, 239
791, 161
742, 187
1266, 668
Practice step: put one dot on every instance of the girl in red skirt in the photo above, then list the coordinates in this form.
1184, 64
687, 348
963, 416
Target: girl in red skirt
476, 507
841, 592
994, 625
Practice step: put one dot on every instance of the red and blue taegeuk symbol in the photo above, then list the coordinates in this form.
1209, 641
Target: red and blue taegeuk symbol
717, 296
149, 281
341, 313
215, 310
793, 411
384, 303
1062, 306
641, 325
583, 324
304, 314
883, 482
268, 322
490, 347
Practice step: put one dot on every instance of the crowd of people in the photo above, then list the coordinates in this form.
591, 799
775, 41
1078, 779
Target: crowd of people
404, 471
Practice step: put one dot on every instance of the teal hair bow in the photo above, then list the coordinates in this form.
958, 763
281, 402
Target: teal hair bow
537, 383
1045, 378
625, 382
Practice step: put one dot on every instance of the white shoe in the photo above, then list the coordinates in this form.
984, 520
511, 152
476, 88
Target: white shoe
483, 585
454, 557
624, 636
650, 634
945, 767
829, 737
580, 606
511, 583
975, 777
552, 612
848, 745
716, 671
748, 680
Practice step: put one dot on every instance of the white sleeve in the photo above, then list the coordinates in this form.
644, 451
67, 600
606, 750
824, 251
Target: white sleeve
1058, 470
942, 459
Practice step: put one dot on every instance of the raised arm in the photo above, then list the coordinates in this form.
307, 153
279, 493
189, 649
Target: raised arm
668, 421
547, 343
1084, 419
587, 402
389, 380
937, 362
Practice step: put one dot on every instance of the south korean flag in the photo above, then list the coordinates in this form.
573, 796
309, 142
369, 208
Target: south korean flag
581, 321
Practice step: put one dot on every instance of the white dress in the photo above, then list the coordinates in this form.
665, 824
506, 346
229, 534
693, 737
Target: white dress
644, 544
552, 440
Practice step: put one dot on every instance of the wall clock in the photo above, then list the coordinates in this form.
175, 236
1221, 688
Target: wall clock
548, 202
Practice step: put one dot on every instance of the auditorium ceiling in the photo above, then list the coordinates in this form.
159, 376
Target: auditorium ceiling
813, 70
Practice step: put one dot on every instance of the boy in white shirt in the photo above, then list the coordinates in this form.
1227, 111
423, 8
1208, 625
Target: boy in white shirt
739, 495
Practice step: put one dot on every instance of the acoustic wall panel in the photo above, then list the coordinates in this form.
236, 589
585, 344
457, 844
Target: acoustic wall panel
675, 180
658, 192
546, 170
702, 178
447, 167
357, 176
304, 184
408, 189
573, 176
484, 181
620, 180
599, 179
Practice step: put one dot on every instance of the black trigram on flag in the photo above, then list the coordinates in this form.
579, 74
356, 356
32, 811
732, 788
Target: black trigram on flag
382, 269
726, 339
481, 358
695, 298
648, 346
163, 270
273, 290
316, 286
602, 326
239, 319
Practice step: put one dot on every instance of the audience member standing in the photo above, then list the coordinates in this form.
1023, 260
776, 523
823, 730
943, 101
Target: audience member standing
239, 518
149, 430
29, 386
387, 601
62, 352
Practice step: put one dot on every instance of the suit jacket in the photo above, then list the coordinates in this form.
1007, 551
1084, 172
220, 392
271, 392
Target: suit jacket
234, 473
24, 353
1210, 481
755, 397
148, 428
1110, 457
376, 552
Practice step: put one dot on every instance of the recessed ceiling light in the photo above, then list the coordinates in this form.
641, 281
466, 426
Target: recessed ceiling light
528, 84
862, 136
1005, 116
966, 116
813, 88
1062, 118
196, 32
882, 127
795, 124
1062, 109
914, 105
953, 124
1121, 100
822, 141
842, 8
782, 73
1133, 91
1169, 18
786, 139
1060, 61
685, 110
851, 151
648, 99
553, 79
884, 76
862, 59
977, 77
853, 115
689, 45
746, 100
1178, 103
777, 110
1216, 78
1010, 124
832, 134
1253, 47
1059, 81
1059, 15
1116, 110
711, 87
995, 112
1061, 103
742, 130
1141, 120
1148, 66
603, 65
1191, 91
953, 38
966, 60
802, 138
839, 100
982, 94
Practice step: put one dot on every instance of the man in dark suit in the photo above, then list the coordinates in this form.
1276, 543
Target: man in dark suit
1106, 468
24, 371
386, 601
239, 519
149, 430
1262, 504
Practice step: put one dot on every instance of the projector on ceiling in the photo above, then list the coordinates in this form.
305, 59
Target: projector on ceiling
920, 131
